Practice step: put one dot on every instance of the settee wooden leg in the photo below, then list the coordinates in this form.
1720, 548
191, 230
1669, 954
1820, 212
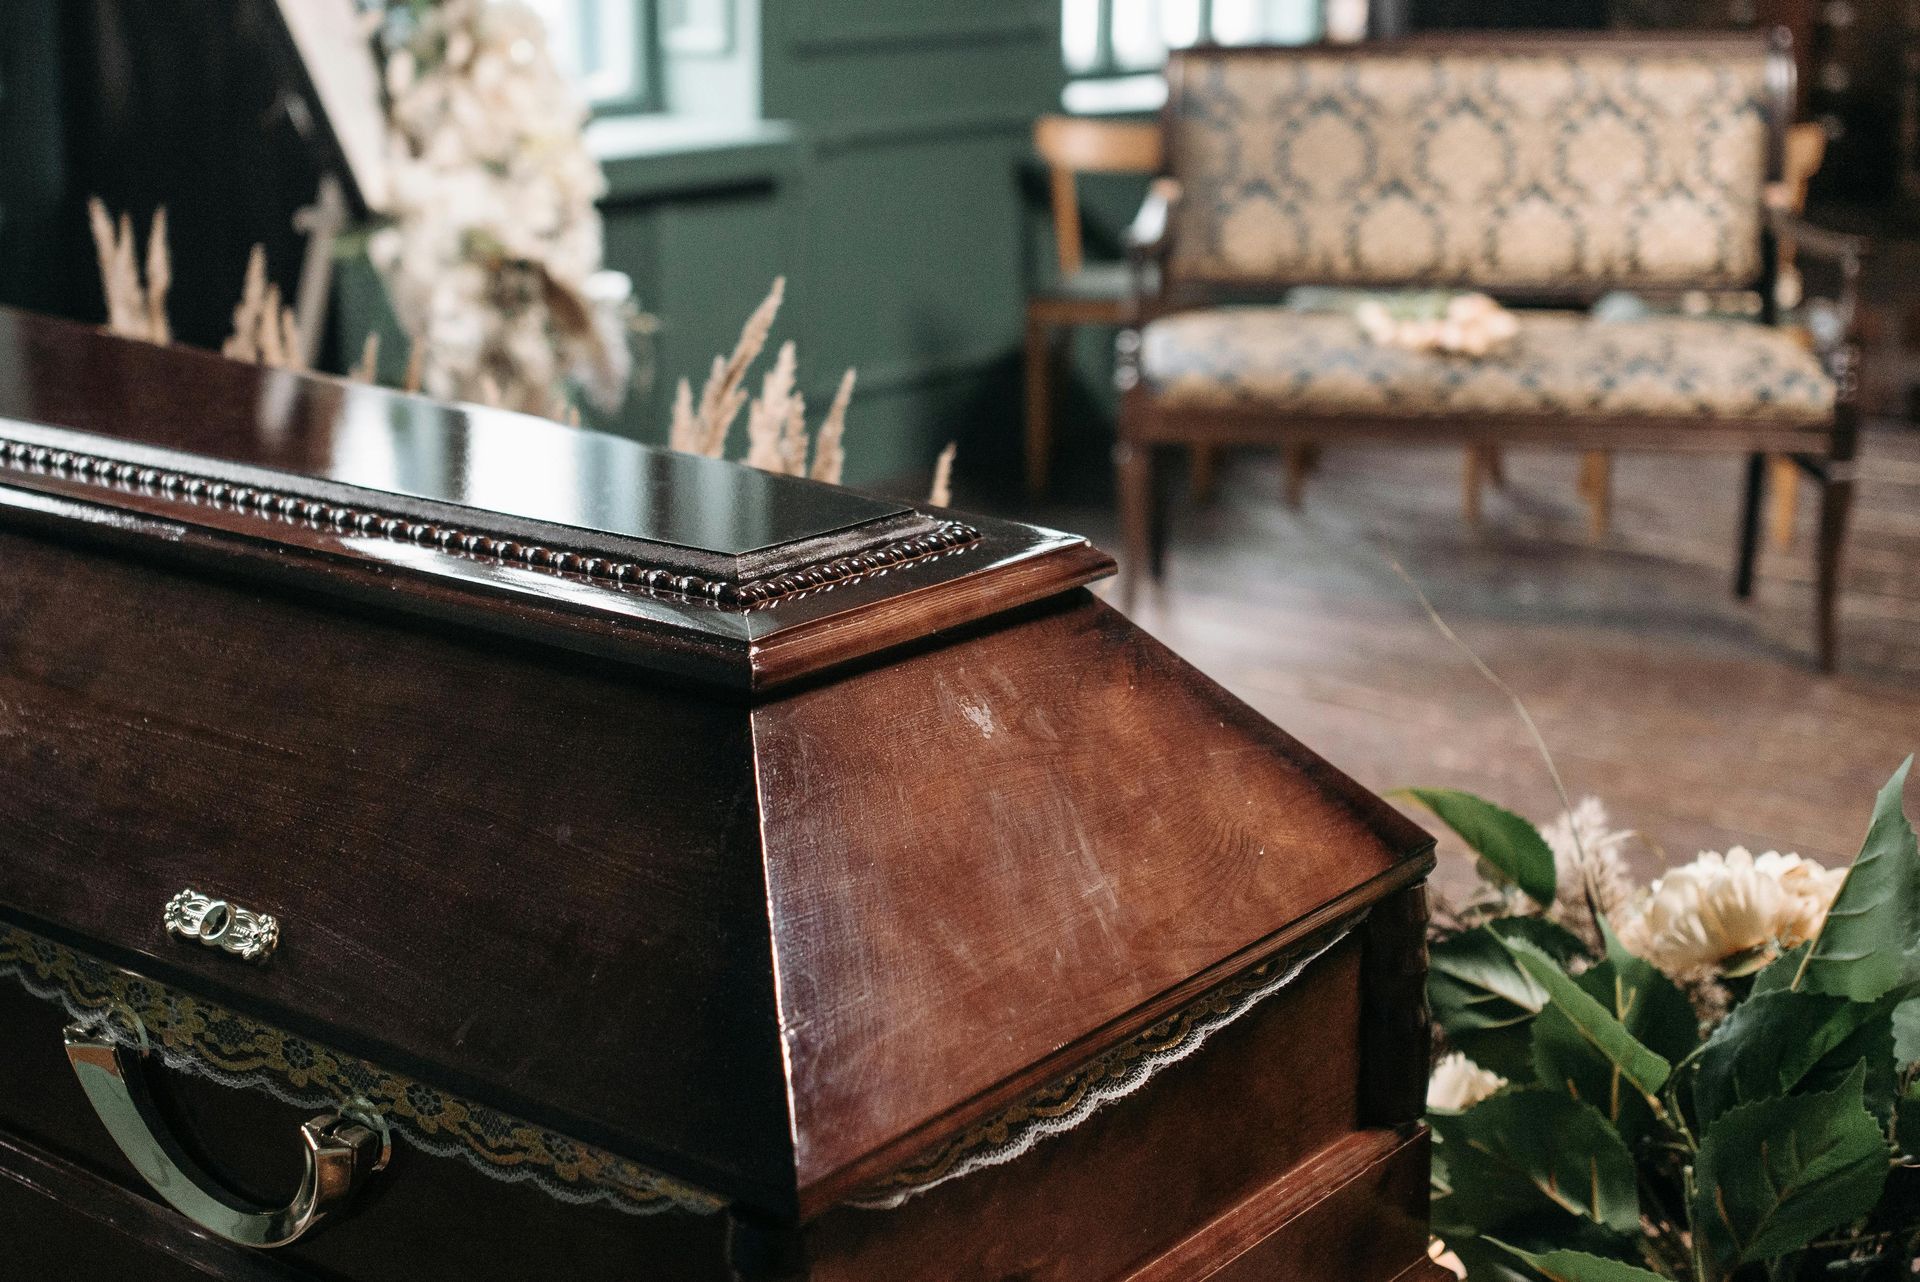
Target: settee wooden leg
1300, 461
1751, 500
1785, 504
1596, 483
1836, 506
1201, 460
1133, 466
1039, 405
1472, 479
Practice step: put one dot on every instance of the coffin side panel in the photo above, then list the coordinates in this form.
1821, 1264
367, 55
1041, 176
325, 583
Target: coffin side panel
1263, 1116
984, 854
515, 872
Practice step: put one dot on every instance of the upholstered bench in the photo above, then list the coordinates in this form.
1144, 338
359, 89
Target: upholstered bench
1546, 173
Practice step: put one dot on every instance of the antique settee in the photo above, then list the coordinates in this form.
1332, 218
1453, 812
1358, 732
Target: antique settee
1546, 172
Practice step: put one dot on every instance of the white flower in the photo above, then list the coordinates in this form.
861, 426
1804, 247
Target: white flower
1458, 1084
493, 193
1725, 906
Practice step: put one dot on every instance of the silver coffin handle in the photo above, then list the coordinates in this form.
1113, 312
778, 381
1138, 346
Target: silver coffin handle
341, 1152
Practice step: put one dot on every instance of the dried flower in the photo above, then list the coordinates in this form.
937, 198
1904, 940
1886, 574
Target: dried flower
829, 458
1587, 860
134, 310
941, 494
1458, 1084
1726, 908
1459, 325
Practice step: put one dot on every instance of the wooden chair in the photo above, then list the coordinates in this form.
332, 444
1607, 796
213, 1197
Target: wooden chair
1286, 171
1083, 293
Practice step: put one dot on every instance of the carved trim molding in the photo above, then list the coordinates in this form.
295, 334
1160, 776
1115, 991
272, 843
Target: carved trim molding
267, 505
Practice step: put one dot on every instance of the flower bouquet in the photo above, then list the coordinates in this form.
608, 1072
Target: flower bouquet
1715, 1077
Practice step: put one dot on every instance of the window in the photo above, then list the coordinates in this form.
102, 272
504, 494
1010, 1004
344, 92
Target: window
1123, 37
606, 46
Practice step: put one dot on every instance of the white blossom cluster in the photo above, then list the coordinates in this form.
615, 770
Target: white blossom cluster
1461, 325
495, 242
1734, 909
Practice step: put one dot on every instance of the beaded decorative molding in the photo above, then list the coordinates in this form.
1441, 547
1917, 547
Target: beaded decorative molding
202, 1039
277, 505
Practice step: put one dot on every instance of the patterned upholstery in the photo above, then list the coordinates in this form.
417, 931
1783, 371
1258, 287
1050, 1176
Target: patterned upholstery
1562, 364
1614, 164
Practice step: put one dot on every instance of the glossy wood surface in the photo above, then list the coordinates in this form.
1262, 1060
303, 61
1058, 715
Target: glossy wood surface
186, 455
513, 871
1101, 855
247, 422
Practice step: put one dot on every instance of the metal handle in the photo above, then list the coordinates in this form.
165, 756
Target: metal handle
341, 1152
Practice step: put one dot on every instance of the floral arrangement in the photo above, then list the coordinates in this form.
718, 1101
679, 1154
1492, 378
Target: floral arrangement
1714, 1077
1453, 324
493, 254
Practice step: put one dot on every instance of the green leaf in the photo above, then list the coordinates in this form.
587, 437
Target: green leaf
1641, 1068
1773, 1175
1906, 1121
1578, 1266
1906, 1032
1645, 1001
1506, 841
1780, 973
1528, 1152
1783, 1042
1862, 949
1650, 1008
1484, 1000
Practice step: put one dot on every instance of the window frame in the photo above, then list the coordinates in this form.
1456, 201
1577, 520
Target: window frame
1106, 66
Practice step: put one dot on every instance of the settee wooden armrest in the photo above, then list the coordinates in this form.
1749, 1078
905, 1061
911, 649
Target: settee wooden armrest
1146, 237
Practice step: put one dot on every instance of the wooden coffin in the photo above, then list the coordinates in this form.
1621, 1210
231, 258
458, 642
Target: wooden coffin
682, 872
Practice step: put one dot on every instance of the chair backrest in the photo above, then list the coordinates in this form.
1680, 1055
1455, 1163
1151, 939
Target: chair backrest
1514, 163
1074, 145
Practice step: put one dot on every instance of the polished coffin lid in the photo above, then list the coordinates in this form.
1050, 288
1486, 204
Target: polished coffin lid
632, 881
503, 520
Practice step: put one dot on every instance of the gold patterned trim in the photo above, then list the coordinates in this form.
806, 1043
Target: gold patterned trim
201, 1038
1070, 1100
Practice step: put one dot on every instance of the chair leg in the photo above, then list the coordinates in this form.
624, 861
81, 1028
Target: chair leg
1496, 466
1836, 505
1133, 466
1300, 461
1158, 495
1471, 480
1785, 502
1596, 482
1200, 462
1755, 494
1039, 405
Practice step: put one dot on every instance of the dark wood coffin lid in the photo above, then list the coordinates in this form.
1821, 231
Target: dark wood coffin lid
498, 519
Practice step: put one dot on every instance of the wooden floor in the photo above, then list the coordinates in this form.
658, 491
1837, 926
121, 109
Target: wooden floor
1697, 719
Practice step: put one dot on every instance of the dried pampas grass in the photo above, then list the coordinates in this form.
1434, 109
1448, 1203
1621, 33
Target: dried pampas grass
942, 493
134, 309
777, 437
264, 330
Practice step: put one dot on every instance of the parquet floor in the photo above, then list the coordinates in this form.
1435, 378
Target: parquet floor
1697, 719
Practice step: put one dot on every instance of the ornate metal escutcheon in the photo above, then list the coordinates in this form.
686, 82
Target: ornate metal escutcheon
248, 935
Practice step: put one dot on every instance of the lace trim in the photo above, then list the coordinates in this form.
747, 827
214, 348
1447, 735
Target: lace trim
1063, 1105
